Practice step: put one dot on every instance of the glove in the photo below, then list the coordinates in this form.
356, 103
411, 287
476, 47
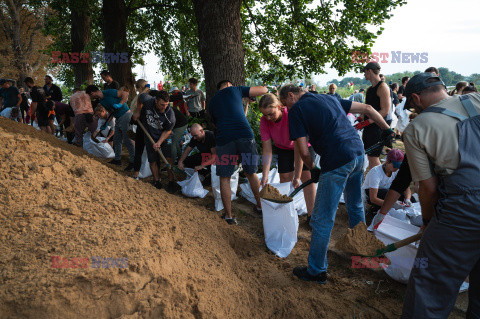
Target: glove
408, 203
117, 106
361, 125
315, 173
359, 119
378, 219
388, 134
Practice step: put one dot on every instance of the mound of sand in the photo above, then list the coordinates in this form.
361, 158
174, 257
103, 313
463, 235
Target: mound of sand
162, 256
359, 241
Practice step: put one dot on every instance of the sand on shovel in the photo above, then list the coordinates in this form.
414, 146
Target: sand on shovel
359, 241
270, 192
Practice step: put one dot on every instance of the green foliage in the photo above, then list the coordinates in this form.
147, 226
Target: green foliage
254, 115
284, 39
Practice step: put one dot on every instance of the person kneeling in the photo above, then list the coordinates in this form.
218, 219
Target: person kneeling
158, 118
204, 141
378, 180
106, 125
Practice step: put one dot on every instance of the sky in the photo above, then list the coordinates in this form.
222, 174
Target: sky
449, 32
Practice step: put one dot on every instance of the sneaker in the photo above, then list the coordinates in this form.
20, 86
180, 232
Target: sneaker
115, 162
157, 184
231, 221
171, 187
129, 168
303, 274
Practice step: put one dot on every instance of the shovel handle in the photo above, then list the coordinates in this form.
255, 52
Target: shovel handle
299, 188
398, 244
158, 150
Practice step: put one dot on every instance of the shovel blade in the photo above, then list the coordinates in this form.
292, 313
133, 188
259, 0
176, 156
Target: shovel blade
279, 201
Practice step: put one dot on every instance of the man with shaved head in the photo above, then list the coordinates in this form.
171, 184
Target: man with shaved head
204, 141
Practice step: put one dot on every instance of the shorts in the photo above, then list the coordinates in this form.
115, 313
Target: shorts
230, 153
153, 155
42, 119
372, 134
286, 159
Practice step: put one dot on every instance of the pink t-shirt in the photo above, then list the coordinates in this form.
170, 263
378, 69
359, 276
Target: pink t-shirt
81, 103
278, 132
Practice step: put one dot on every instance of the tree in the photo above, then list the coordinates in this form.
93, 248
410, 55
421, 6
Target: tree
22, 42
80, 37
220, 42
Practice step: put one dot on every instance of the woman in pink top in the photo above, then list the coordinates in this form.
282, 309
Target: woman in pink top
274, 126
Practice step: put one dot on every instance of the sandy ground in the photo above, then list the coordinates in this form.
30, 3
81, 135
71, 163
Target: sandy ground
167, 255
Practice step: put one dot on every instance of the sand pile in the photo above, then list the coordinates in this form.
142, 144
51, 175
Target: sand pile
79, 240
270, 192
359, 241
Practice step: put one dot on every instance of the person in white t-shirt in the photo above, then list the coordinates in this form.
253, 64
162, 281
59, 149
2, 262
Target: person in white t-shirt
106, 125
378, 180
12, 113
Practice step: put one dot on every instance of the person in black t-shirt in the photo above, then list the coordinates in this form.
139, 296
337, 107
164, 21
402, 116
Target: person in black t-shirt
401, 90
52, 92
109, 82
38, 105
204, 141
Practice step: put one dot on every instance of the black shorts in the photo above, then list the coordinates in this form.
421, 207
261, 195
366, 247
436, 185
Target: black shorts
286, 159
42, 118
372, 134
229, 154
153, 155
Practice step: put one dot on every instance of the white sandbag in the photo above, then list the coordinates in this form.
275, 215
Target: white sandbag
192, 187
394, 123
35, 125
103, 150
246, 191
145, 167
402, 260
298, 201
280, 224
403, 116
216, 187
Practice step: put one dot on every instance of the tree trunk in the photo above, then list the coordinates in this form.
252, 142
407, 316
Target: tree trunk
220, 42
115, 15
80, 36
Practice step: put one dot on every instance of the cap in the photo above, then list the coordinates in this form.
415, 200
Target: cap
174, 89
362, 90
395, 155
372, 66
419, 83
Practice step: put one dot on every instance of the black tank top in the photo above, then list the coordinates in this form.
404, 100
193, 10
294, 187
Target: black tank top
372, 97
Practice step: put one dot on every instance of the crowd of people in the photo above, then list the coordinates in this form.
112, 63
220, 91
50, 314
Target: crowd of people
297, 125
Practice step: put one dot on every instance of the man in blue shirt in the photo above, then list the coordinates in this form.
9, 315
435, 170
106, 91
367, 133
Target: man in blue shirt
114, 102
234, 139
9, 95
322, 121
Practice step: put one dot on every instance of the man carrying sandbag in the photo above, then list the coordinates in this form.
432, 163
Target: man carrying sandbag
442, 144
204, 141
115, 101
323, 119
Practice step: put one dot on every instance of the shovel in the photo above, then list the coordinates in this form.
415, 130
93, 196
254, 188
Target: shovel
398, 244
169, 167
292, 194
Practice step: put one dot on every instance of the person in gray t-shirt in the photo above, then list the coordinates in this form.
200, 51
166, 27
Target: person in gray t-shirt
195, 99
358, 97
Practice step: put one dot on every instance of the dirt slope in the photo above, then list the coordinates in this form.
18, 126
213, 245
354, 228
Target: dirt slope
183, 260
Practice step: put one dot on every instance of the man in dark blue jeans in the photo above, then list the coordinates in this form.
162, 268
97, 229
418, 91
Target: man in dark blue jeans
324, 120
234, 138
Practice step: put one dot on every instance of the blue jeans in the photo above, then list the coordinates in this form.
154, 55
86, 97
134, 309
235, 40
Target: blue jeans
331, 185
